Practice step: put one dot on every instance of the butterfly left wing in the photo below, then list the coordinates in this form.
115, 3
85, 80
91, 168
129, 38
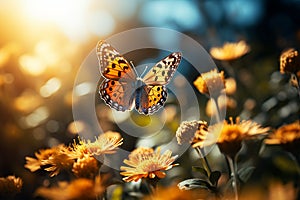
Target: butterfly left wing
163, 71
118, 95
149, 99
112, 65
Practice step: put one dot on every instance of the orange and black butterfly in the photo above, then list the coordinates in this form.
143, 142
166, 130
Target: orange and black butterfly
123, 89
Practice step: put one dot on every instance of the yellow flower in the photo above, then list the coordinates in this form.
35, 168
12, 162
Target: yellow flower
230, 51
287, 136
290, 62
146, 163
86, 167
52, 160
78, 189
106, 143
212, 82
191, 131
229, 136
10, 185
174, 193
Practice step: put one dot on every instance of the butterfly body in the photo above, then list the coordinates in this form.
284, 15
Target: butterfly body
123, 89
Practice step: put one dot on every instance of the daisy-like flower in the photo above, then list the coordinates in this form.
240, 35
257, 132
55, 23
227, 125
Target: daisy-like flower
106, 143
212, 82
290, 62
147, 163
229, 136
78, 189
191, 132
10, 185
86, 167
288, 136
230, 51
53, 160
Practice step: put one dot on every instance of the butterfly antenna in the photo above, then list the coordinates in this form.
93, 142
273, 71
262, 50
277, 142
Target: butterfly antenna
145, 70
133, 68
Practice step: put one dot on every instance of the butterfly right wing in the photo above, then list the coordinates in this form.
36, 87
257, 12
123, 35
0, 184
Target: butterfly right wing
113, 66
163, 71
118, 95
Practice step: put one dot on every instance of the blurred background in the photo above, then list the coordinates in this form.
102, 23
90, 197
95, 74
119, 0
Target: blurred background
43, 43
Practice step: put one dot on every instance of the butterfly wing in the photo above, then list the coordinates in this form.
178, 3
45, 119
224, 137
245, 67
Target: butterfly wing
149, 99
118, 95
163, 71
112, 65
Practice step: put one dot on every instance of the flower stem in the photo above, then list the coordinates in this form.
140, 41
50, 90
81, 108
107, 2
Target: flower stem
215, 100
204, 160
152, 184
233, 170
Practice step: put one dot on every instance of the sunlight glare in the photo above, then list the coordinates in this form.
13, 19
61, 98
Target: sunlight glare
69, 15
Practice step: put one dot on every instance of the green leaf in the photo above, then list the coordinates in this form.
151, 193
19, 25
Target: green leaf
201, 170
193, 183
245, 173
214, 177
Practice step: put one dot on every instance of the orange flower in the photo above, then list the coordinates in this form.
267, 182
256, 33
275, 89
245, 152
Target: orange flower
229, 136
10, 185
52, 160
76, 190
212, 82
230, 51
288, 136
146, 163
86, 167
105, 143
290, 62
174, 193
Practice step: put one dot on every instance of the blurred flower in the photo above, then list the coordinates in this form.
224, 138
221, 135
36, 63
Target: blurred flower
174, 193
280, 191
290, 62
106, 143
288, 136
230, 51
211, 83
52, 160
229, 136
224, 102
230, 85
78, 189
146, 163
191, 131
86, 167
27, 101
10, 185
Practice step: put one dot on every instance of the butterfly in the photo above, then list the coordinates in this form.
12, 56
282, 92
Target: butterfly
123, 89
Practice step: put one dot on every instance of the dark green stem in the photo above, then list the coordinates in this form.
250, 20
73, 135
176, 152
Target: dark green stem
152, 184
233, 170
204, 160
